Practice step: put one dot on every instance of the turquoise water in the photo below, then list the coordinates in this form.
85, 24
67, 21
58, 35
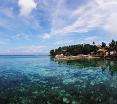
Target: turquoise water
40, 80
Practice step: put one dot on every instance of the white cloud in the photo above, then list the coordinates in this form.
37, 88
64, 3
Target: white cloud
94, 14
110, 8
46, 36
22, 36
85, 21
111, 24
26, 7
7, 12
32, 49
101, 13
64, 42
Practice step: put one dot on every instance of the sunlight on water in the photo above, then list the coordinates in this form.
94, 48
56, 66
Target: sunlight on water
40, 80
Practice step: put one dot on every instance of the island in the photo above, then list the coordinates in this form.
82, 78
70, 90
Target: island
86, 51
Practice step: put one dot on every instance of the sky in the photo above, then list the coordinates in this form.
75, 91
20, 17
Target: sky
37, 26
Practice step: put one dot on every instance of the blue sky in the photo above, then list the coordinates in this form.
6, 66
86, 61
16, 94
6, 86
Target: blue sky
36, 26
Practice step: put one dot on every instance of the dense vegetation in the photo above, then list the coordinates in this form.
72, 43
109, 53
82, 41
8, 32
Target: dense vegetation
83, 49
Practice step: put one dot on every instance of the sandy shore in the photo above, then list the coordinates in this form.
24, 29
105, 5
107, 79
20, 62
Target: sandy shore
68, 58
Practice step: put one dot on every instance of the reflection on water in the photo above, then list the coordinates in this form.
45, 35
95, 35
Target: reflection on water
40, 80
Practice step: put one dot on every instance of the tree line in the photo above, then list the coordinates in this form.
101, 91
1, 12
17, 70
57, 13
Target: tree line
83, 49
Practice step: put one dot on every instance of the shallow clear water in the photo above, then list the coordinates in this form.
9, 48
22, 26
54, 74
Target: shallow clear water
40, 80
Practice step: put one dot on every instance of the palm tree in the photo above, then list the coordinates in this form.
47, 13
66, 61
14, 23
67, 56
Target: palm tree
93, 43
103, 45
112, 45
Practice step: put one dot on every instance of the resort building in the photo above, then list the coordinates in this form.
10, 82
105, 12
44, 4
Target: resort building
102, 52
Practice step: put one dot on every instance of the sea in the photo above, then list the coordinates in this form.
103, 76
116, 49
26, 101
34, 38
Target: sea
43, 80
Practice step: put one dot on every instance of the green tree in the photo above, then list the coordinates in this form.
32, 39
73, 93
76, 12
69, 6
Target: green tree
112, 45
52, 53
103, 45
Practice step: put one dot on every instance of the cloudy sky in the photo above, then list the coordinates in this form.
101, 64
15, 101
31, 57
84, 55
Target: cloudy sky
36, 26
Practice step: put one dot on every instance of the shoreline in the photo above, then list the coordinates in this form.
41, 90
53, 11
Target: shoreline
78, 57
